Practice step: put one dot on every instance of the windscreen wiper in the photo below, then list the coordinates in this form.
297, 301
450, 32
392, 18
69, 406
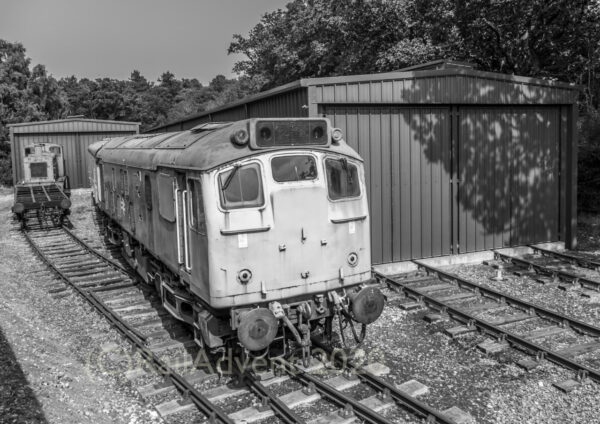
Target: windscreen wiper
349, 178
230, 177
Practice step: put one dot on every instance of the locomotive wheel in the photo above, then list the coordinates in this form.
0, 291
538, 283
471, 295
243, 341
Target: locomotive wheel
257, 329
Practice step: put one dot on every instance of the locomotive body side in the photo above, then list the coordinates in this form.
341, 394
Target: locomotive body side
239, 240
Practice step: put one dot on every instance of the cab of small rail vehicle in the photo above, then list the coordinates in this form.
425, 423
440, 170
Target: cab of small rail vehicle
288, 230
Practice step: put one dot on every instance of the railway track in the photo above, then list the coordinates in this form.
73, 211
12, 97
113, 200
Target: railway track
574, 259
509, 320
88, 273
556, 272
169, 352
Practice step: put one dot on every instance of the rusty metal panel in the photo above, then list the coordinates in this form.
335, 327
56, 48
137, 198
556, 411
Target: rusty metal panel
407, 166
508, 176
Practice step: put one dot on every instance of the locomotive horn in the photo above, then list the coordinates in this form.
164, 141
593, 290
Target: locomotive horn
257, 329
367, 304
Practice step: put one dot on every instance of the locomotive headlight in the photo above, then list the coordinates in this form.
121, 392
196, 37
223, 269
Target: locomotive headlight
352, 259
336, 135
244, 276
240, 137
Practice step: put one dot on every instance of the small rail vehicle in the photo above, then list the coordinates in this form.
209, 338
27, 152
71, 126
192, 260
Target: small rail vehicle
44, 192
255, 233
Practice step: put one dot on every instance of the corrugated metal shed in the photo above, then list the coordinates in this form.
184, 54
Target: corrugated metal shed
74, 134
457, 160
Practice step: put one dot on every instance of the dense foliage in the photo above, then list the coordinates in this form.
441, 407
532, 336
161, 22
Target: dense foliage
31, 94
554, 39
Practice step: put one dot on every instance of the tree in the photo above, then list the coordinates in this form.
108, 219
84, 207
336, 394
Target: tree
340, 37
557, 39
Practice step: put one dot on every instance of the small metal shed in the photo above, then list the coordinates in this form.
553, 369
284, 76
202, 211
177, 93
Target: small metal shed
457, 160
75, 134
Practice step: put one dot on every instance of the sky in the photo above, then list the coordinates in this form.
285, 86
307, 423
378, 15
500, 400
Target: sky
111, 38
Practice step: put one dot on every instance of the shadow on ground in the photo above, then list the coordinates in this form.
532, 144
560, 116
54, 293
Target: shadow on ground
18, 403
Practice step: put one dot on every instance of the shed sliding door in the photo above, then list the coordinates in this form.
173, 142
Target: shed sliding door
508, 171
407, 165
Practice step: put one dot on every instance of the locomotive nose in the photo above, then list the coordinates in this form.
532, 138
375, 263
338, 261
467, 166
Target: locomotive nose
257, 329
367, 305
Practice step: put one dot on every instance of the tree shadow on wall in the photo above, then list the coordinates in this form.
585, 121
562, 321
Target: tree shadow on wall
18, 403
507, 164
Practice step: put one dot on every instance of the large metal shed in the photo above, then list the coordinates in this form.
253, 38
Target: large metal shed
457, 160
75, 134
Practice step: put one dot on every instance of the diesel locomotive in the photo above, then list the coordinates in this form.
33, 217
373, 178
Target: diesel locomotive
44, 190
255, 232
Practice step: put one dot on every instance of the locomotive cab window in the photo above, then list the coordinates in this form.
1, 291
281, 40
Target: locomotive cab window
293, 168
342, 179
241, 187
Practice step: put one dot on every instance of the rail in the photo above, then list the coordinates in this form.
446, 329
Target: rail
493, 330
206, 407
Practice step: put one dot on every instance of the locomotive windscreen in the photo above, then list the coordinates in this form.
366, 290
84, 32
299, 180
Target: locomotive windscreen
291, 133
39, 169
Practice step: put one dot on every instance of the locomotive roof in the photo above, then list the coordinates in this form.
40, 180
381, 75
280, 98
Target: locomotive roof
204, 147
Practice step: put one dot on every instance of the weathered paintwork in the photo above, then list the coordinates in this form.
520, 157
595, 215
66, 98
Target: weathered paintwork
295, 244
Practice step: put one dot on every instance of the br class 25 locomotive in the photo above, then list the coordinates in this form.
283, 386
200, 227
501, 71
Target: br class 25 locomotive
263, 238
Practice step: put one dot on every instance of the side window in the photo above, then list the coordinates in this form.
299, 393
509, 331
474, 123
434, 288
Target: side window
166, 202
241, 187
197, 219
342, 179
148, 192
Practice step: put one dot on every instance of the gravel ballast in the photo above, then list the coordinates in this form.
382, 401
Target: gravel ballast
55, 369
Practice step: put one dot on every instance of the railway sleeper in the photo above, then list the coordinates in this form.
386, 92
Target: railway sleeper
101, 283
85, 272
98, 277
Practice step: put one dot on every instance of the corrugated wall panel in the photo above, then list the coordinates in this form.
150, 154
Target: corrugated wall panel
285, 105
508, 171
407, 165
447, 89
77, 126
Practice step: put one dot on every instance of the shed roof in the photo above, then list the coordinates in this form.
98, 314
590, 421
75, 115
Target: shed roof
74, 125
437, 82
